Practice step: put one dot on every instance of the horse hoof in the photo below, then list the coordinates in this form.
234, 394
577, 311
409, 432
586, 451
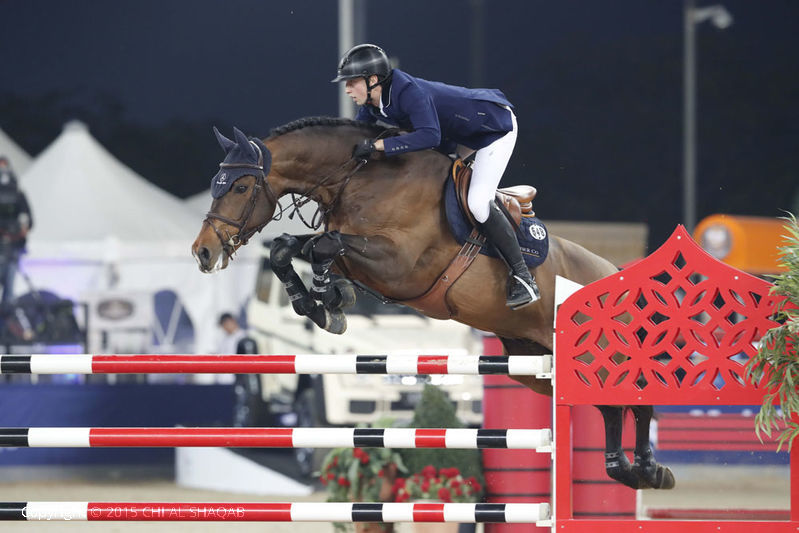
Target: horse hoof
346, 291
651, 474
335, 321
665, 478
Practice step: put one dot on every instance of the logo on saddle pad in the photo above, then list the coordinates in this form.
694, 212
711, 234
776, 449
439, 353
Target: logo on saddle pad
537, 231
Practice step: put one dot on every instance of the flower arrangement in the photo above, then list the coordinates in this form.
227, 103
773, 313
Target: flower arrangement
435, 410
357, 474
446, 485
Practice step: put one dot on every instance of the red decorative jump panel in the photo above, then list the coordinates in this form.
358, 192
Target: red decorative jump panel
677, 328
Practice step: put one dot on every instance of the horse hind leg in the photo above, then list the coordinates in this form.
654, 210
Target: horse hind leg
617, 465
649, 472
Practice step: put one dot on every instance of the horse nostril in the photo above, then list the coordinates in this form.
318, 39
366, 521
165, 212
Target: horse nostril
205, 254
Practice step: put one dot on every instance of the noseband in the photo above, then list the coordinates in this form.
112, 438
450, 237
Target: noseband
230, 243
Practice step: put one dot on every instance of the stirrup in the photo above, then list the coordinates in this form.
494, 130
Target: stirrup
532, 294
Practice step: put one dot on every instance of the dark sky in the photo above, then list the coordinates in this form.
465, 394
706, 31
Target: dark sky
597, 86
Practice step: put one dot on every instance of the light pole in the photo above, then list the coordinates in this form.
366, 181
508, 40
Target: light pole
351, 29
692, 16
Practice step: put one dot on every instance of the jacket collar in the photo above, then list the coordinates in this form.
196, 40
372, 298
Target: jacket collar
385, 97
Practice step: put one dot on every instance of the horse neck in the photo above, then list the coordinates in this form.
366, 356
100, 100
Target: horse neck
310, 162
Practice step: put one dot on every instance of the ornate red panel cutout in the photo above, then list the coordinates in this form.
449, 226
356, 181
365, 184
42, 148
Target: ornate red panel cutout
676, 328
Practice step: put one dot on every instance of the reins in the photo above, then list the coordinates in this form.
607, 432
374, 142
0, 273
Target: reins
321, 213
230, 242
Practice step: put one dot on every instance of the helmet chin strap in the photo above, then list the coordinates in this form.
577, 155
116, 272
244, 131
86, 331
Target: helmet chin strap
370, 87
369, 90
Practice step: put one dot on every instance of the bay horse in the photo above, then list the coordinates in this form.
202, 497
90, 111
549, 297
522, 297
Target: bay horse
385, 228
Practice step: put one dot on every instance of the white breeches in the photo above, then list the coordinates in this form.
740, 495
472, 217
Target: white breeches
489, 165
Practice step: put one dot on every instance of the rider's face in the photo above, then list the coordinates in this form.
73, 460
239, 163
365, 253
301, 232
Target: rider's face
356, 89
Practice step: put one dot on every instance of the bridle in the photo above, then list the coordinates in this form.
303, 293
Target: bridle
230, 242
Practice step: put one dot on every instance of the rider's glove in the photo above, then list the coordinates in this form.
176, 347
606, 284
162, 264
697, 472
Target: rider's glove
364, 149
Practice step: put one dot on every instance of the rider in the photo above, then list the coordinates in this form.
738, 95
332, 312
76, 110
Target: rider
442, 116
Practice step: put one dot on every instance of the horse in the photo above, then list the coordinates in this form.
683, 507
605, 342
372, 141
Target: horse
385, 228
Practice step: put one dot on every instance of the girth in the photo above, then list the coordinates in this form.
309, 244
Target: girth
517, 203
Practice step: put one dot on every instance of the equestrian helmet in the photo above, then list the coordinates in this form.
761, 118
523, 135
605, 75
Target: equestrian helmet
362, 61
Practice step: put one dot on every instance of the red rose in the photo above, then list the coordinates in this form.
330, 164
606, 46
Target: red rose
399, 483
474, 484
357, 452
344, 482
331, 475
444, 495
364, 459
425, 485
429, 471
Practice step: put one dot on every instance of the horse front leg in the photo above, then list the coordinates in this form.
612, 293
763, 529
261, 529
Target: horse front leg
321, 251
649, 472
617, 465
284, 249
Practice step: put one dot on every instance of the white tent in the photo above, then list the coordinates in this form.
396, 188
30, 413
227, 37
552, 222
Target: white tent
19, 158
199, 203
100, 226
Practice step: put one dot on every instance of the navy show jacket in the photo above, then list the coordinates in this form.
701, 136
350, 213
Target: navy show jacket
439, 115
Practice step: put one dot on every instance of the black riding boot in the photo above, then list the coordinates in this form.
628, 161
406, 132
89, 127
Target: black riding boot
522, 289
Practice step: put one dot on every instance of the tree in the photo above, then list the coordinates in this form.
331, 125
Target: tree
777, 356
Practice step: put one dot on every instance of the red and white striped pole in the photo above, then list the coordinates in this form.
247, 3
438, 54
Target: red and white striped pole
458, 438
274, 512
518, 365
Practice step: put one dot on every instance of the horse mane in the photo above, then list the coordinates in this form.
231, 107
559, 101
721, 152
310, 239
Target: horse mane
324, 121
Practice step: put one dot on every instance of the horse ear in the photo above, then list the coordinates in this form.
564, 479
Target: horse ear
244, 142
224, 142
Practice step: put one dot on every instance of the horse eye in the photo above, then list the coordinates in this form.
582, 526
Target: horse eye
241, 188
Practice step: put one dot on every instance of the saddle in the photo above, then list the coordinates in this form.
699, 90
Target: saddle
517, 202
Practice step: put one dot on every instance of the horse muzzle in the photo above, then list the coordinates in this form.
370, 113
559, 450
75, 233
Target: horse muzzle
209, 253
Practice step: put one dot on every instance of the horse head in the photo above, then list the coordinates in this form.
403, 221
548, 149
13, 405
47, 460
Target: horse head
243, 201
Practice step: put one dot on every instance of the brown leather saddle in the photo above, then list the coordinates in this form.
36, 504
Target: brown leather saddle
517, 202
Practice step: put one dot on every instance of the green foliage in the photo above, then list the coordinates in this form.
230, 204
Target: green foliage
777, 355
436, 411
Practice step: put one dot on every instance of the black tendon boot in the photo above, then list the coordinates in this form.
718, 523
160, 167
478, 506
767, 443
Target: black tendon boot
522, 289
